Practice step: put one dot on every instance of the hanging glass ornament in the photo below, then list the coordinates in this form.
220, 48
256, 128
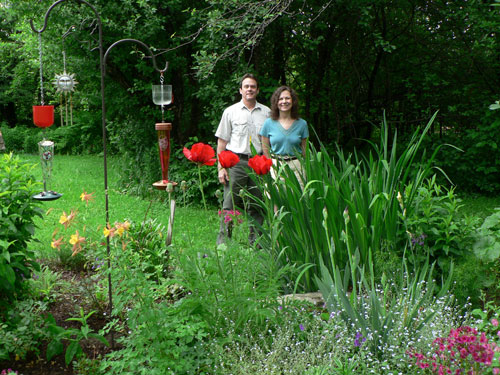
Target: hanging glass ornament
65, 84
43, 117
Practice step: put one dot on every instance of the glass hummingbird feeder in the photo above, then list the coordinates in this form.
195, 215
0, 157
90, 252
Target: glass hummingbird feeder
162, 96
43, 117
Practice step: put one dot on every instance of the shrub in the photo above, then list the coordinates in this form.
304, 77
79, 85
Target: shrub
148, 251
474, 165
160, 341
22, 329
22, 139
434, 226
17, 214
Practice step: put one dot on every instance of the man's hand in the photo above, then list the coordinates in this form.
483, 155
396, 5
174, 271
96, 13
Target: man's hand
223, 177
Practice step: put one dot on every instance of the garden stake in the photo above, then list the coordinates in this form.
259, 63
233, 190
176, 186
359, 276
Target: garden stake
102, 66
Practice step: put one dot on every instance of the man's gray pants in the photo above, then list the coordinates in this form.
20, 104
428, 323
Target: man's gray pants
239, 179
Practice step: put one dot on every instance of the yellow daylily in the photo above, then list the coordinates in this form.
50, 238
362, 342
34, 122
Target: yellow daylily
67, 219
122, 227
56, 244
76, 240
109, 231
87, 197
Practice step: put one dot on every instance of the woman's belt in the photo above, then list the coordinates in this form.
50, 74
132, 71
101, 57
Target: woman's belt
284, 157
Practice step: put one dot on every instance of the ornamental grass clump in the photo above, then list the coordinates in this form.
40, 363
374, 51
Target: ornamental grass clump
366, 185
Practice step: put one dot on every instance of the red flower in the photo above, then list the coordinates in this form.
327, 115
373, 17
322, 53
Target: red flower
261, 164
228, 159
200, 153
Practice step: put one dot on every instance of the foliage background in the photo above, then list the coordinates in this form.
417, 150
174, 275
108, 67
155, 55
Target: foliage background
349, 60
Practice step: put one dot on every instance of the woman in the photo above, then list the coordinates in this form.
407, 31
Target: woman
284, 134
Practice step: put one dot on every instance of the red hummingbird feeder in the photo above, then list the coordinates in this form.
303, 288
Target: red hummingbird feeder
162, 95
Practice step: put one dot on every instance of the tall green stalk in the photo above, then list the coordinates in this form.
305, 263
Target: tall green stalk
366, 186
201, 187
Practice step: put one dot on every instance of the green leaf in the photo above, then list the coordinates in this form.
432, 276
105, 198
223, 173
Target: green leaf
71, 351
54, 348
8, 273
100, 338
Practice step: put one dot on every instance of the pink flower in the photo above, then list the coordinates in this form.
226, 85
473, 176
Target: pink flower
494, 322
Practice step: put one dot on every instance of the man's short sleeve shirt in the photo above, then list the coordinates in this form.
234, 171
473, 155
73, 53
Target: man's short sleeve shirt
239, 126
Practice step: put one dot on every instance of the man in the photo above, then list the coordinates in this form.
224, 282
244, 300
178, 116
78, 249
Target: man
240, 126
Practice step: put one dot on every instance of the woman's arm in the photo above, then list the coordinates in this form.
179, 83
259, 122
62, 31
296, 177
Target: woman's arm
266, 146
303, 145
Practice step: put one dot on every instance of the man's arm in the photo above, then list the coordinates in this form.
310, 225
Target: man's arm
221, 146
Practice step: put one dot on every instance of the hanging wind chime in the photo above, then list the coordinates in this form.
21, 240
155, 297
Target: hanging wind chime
43, 117
162, 96
65, 84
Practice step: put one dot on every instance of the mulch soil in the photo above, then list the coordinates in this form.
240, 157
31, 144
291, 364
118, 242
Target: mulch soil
66, 306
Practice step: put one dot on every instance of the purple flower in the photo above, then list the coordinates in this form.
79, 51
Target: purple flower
301, 326
359, 340
420, 240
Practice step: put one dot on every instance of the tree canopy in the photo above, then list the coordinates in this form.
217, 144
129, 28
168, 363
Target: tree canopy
349, 60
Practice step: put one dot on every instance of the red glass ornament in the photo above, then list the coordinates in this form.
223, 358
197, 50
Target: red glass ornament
43, 115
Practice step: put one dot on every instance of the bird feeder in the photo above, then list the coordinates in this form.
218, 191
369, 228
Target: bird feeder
162, 95
43, 117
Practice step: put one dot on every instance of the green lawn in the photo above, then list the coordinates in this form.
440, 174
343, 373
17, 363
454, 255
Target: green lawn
72, 175
478, 205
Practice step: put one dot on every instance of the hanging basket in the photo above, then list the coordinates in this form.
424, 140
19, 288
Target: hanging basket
43, 115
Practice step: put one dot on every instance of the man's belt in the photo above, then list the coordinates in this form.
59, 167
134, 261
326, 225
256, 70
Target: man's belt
243, 156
